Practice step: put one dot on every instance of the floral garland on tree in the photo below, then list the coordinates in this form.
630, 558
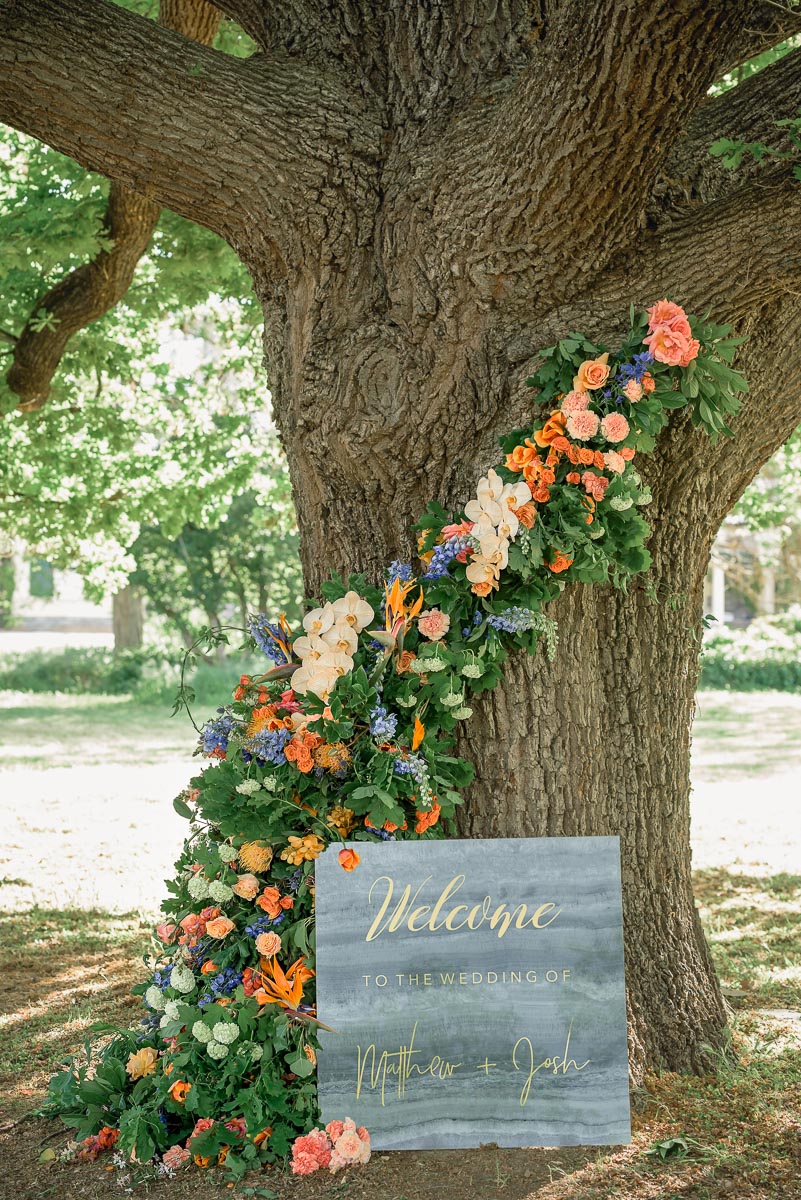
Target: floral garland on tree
349, 736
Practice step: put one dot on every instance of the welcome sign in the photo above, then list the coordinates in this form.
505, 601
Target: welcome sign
475, 992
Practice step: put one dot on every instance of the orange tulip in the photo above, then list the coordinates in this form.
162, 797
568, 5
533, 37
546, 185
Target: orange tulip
180, 1090
349, 859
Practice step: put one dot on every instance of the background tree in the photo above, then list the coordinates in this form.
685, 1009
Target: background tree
425, 194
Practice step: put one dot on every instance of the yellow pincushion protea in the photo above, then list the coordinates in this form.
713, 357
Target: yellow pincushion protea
302, 850
333, 756
255, 856
342, 819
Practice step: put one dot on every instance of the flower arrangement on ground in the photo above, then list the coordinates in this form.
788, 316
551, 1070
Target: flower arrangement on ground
348, 736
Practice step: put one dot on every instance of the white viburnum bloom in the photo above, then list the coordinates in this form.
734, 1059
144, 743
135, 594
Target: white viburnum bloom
227, 852
309, 648
488, 502
620, 503
201, 1032
219, 891
182, 979
319, 619
216, 1049
352, 609
248, 787
255, 1053
198, 886
342, 637
225, 1032
155, 997
270, 784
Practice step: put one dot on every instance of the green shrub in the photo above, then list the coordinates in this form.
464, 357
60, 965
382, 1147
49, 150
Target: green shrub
766, 656
6, 591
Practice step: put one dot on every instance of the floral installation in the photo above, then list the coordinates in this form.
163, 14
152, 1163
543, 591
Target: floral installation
348, 736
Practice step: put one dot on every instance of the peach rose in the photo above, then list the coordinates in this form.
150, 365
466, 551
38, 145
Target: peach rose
220, 927
166, 931
668, 346
593, 373
268, 944
667, 315
246, 886
142, 1063
349, 859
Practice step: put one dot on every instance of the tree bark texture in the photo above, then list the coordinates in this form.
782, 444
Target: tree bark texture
426, 194
127, 619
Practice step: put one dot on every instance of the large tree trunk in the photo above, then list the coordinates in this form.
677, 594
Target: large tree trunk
426, 195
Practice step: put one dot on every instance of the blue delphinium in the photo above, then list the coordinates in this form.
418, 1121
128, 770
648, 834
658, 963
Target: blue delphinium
263, 924
221, 985
269, 637
514, 620
215, 733
635, 369
443, 556
161, 976
399, 570
268, 745
383, 724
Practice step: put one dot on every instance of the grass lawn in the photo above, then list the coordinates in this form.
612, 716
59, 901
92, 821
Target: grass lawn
65, 963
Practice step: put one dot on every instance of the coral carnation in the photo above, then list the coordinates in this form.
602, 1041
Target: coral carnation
583, 425
615, 427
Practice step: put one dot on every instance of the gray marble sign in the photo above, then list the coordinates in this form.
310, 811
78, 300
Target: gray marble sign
476, 992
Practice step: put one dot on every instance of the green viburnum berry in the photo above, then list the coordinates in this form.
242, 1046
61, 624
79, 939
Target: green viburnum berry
452, 699
255, 1053
461, 714
182, 980
219, 891
216, 1049
406, 701
645, 497
201, 1032
198, 886
225, 1032
248, 787
155, 997
473, 670
227, 853
270, 784
620, 503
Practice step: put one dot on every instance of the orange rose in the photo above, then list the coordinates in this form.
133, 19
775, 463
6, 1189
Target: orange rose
560, 563
349, 859
179, 1091
586, 456
648, 381
627, 452
270, 901
405, 661
482, 589
526, 514
598, 460
209, 968
246, 886
573, 477
220, 927
592, 374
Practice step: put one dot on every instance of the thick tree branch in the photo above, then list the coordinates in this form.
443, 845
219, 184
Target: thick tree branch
577, 143
749, 111
768, 23
209, 136
89, 291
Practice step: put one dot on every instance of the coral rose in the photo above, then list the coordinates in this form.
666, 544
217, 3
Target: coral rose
668, 346
220, 927
648, 381
166, 931
667, 315
593, 373
349, 859
627, 452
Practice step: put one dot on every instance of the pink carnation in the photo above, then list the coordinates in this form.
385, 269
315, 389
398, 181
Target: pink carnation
175, 1157
583, 425
351, 1146
633, 390
575, 402
614, 427
614, 461
335, 1129
595, 485
433, 624
310, 1152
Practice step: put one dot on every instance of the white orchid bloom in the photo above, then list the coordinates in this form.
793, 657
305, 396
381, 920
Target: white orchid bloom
514, 495
316, 679
488, 502
508, 527
341, 636
352, 609
495, 550
319, 619
309, 648
335, 660
480, 570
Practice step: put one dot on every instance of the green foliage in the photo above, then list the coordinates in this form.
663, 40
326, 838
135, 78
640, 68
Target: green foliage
6, 590
765, 656
732, 151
